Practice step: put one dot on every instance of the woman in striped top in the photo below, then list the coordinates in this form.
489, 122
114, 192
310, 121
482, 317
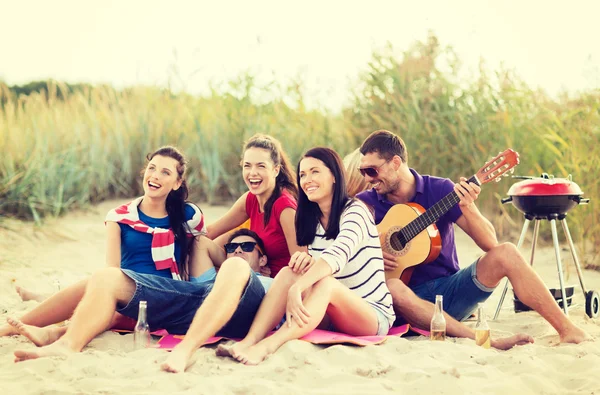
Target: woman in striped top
340, 284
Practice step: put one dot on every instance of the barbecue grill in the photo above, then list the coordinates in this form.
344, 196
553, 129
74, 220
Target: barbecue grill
549, 198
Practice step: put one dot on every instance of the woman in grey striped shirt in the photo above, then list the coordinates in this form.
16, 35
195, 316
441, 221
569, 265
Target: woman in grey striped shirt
340, 284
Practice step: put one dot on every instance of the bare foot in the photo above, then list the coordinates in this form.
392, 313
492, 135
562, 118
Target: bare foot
8, 330
507, 343
575, 335
57, 349
177, 361
233, 351
39, 336
255, 354
26, 294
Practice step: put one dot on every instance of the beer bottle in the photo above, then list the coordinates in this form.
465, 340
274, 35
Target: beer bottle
438, 322
482, 329
141, 333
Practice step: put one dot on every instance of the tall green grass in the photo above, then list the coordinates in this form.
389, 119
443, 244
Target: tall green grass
64, 149
452, 126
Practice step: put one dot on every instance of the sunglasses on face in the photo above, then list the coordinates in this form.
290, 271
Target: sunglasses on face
247, 246
371, 171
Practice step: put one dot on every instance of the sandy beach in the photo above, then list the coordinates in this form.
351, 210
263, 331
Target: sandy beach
71, 248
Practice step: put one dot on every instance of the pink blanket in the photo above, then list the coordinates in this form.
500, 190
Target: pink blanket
318, 336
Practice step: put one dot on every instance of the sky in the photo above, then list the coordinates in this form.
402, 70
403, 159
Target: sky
327, 44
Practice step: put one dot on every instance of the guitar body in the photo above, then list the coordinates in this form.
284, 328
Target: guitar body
423, 248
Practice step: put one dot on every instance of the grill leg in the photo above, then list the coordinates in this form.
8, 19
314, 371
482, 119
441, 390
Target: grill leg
519, 244
559, 265
536, 232
574, 253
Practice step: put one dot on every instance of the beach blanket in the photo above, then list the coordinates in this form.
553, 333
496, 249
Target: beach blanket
318, 336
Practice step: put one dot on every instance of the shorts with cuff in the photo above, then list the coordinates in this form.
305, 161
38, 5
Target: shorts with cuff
172, 304
461, 291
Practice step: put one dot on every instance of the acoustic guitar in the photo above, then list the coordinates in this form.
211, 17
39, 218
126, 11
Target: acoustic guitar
408, 231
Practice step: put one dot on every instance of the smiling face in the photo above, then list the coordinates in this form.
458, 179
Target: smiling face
316, 180
161, 177
259, 171
254, 258
387, 180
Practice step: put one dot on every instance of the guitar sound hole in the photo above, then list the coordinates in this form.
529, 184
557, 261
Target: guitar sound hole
397, 241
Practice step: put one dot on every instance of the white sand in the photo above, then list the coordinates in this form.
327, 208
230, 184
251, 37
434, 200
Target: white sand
72, 248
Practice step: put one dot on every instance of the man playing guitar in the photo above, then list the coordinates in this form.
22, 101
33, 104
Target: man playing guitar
385, 167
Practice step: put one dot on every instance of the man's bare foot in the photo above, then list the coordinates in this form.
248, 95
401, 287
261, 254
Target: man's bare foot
177, 361
575, 335
56, 349
234, 350
507, 343
26, 294
39, 336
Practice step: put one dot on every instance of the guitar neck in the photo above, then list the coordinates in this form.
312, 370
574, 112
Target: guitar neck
432, 214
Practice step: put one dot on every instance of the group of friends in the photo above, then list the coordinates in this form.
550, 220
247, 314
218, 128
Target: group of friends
311, 258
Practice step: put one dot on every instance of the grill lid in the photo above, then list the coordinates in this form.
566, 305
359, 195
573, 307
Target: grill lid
545, 185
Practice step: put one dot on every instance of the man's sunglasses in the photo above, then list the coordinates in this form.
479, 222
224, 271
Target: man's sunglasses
247, 246
371, 171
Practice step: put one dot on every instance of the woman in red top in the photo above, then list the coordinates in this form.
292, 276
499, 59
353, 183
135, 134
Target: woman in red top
270, 203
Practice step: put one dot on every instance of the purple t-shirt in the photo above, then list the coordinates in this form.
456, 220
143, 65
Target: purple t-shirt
429, 191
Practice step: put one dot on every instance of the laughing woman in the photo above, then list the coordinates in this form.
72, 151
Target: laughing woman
270, 202
151, 235
341, 285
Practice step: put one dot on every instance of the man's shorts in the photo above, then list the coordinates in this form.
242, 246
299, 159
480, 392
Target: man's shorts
461, 291
172, 304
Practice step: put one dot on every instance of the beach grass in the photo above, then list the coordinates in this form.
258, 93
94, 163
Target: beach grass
64, 149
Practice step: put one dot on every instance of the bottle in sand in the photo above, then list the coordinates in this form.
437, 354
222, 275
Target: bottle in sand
438, 322
482, 329
141, 333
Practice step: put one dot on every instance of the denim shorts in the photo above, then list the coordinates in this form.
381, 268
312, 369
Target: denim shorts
172, 304
461, 291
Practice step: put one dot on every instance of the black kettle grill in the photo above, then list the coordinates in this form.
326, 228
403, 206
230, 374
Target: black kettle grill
549, 198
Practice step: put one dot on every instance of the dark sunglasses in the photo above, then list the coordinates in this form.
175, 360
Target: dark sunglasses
247, 246
371, 171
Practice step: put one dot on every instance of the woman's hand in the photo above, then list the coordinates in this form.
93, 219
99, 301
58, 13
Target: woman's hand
300, 262
295, 309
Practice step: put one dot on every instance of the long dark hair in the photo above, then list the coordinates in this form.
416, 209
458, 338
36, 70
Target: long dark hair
309, 213
285, 179
175, 205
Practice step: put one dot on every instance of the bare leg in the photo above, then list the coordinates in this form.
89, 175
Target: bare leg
418, 312
349, 313
26, 294
57, 308
505, 261
39, 336
213, 314
105, 289
269, 314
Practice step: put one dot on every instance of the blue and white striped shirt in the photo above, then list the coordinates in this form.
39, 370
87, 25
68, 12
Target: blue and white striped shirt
355, 257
